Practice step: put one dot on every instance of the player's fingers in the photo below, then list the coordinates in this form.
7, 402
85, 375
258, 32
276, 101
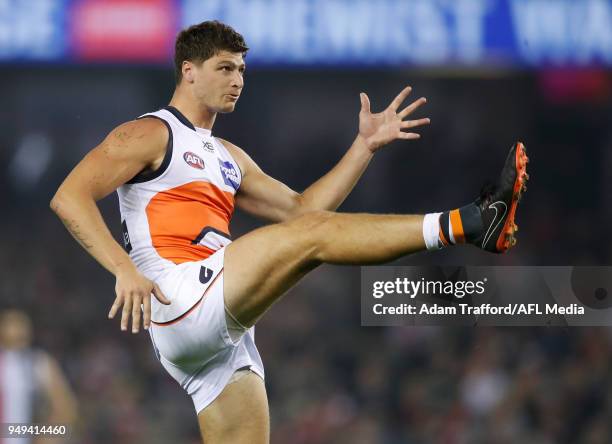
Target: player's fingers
136, 312
160, 296
115, 307
365, 102
412, 123
400, 98
412, 107
146, 302
125, 314
408, 136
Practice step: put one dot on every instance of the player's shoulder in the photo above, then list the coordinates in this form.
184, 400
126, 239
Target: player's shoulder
147, 127
144, 136
235, 150
232, 148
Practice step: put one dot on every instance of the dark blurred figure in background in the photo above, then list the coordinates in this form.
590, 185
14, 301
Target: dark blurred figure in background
33, 388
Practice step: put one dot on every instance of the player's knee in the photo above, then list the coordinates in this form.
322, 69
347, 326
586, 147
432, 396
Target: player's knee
311, 220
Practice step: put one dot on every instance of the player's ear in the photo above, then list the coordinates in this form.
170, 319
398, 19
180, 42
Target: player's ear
187, 69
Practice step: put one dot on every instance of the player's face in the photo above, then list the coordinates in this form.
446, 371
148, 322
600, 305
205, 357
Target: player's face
15, 329
219, 81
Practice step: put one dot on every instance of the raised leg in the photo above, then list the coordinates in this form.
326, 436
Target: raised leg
262, 265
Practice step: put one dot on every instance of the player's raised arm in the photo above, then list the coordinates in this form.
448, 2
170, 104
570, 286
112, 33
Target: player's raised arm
128, 149
268, 198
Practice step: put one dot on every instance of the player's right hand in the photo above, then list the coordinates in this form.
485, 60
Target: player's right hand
133, 289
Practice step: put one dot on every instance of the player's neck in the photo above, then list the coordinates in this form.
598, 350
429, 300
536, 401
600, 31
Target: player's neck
198, 116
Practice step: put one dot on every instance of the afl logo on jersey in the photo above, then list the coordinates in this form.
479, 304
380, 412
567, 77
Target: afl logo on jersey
230, 176
193, 160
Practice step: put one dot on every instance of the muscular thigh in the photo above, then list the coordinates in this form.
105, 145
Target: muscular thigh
239, 415
260, 266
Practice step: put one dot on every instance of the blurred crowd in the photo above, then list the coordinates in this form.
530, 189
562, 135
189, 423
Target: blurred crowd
329, 380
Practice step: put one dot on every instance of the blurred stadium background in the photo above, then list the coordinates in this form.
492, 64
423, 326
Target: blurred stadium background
494, 71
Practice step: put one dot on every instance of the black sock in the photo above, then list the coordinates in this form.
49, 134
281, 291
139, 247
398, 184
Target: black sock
460, 225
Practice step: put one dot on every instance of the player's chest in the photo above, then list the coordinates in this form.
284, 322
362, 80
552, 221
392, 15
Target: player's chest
202, 158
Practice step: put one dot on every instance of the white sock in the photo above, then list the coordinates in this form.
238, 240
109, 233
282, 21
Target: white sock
431, 231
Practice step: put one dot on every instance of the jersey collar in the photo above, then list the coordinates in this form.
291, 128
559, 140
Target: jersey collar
185, 121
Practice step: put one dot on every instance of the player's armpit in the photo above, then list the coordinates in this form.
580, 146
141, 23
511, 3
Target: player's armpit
262, 195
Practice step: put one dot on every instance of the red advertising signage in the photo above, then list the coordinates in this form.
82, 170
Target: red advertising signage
130, 30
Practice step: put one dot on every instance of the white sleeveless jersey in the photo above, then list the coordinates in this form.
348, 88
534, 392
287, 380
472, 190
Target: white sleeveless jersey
22, 377
181, 212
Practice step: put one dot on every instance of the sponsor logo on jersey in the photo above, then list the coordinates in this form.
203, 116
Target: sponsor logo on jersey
193, 160
208, 146
126, 237
229, 173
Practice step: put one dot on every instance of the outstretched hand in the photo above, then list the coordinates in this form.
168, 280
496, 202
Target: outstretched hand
381, 128
133, 289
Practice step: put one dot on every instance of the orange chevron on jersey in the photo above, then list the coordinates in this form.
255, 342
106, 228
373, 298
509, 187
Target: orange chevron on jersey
177, 217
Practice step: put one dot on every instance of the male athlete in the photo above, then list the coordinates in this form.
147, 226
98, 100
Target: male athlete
33, 387
177, 187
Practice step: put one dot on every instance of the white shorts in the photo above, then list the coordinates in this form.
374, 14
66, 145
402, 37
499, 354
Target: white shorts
196, 348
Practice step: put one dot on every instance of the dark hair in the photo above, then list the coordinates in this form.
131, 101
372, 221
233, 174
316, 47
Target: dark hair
203, 41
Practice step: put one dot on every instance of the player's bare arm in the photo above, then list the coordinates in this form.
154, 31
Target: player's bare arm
62, 402
129, 149
265, 197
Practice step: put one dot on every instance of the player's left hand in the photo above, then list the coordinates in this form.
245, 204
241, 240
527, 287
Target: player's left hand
381, 128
